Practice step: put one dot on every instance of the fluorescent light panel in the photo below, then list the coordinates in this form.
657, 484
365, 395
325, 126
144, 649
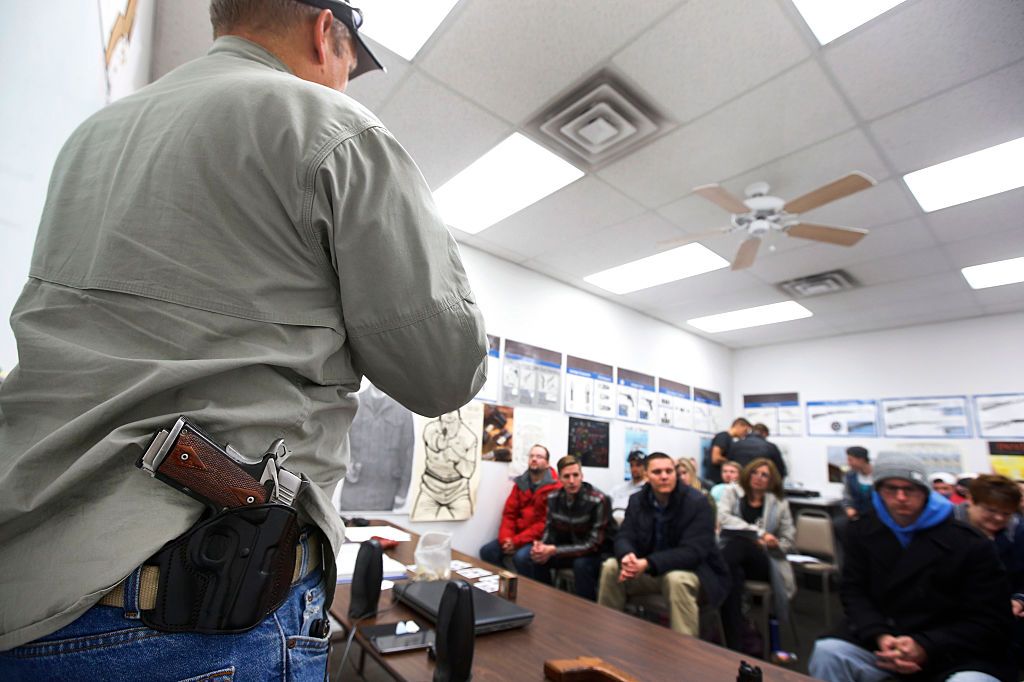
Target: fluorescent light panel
830, 19
507, 179
751, 317
995, 274
403, 26
981, 174
668, 266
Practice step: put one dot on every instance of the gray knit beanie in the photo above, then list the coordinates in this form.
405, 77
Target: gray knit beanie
900, 465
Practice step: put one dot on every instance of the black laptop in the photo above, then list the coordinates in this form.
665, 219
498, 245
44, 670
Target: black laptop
491, 612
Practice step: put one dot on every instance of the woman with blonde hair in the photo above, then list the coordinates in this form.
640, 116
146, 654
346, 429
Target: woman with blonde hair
687, 472
757, 532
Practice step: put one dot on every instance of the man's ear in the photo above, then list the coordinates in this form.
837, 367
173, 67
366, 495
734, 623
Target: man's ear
322, 35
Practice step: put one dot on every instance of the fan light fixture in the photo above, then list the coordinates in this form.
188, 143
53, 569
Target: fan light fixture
750, 317
505, 180
995, 274
403, 26
966, 178
661, 268
829, 19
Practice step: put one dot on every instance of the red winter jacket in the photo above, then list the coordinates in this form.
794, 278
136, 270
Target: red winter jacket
525, 510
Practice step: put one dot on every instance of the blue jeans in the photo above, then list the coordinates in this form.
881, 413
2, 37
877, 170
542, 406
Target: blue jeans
585, 570
837, 660
111, 643
492, 554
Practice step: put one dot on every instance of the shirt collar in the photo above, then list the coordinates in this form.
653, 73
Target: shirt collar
246, 49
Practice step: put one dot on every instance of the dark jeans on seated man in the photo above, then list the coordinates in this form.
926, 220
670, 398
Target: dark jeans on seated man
520, 559
585, 570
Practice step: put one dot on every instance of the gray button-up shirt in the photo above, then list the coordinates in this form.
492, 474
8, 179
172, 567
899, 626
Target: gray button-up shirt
235, 244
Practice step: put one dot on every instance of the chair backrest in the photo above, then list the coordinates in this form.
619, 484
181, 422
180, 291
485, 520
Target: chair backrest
814, 535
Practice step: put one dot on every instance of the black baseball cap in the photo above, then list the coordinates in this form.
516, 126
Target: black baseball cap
352, 17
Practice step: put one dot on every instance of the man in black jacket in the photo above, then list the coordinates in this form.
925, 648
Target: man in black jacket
578, 530
924, 594
756, 446
666, 544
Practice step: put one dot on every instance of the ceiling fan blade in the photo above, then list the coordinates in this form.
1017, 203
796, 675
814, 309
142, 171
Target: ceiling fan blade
690, 238
723, 197
843, 236
843, 187
746, 254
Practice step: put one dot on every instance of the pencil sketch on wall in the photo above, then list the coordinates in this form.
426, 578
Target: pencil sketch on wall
446, 465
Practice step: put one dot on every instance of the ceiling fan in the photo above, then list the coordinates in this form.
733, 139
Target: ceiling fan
761, 214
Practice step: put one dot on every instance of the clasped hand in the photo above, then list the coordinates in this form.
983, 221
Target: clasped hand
540, 553
899, 654
631, 567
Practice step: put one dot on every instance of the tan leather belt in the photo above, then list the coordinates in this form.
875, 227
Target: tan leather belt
150, 577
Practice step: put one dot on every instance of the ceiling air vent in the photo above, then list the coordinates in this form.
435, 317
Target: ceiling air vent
599, 120
823, 283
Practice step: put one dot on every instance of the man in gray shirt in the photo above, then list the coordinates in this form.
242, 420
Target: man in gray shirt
239, 243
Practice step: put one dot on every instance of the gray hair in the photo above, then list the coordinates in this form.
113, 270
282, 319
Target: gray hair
267, 16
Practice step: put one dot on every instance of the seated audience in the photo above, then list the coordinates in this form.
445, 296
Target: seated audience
757, 446
666, 544
924, 595
963, 482
686, 470
524, 515
991, 507
622, 492
721, 446
945, 485
857, 484
756, 533
730, 476
578, 532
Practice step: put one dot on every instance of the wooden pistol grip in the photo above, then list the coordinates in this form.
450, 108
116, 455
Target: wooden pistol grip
585, 669
207, 473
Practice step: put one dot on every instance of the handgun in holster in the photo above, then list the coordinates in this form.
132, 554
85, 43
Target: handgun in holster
235, 565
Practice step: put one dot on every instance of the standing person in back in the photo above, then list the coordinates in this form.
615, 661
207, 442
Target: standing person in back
721, 445
858, 483
237, 243
757, 446
524, 515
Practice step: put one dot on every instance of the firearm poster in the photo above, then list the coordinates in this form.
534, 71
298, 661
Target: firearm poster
380, 463
780, 412
1000, 415
496, 440
588, 441
707, 411
1007, 458
936, 457
675, 409
446, 468
533, 427
636, 398
491, 389
842, 418
582, 378
926, 417
637, 439
531, 376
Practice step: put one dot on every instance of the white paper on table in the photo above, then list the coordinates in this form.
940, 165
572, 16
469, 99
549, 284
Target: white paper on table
474, 572
364, 533
486, 586
346, 563
459, 565
803, 559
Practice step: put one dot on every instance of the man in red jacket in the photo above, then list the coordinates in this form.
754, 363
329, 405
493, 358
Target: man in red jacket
525, 512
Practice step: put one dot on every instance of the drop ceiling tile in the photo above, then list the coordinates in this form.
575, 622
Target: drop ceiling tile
709, 51
924, 48
897, 296
584, 207
1004, 308
1006, 296
515, 60
986, 248
896, 268
711, 290
974, 116
443, 131
749, 131
951, 306
997, 213
621, 243
373, 89
691, 303
783, 332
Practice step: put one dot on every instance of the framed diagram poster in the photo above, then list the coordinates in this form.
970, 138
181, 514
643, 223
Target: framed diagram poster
707, 411
675, 408
780, 412
1000, 415
926, 417
842, 418
531, 376
636, 399
588, 388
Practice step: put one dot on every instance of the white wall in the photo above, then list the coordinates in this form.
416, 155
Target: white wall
526, 306
51, 65
980, 355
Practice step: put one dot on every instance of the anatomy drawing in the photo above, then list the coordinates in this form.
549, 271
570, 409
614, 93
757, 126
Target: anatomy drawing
447, 459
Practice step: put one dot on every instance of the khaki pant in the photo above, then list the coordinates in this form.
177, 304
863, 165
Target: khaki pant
680, 589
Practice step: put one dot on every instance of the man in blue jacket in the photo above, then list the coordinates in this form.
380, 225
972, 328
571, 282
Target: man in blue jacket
924, 594
667, 545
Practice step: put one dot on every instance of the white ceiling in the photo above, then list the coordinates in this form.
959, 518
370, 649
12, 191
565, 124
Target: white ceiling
750, 95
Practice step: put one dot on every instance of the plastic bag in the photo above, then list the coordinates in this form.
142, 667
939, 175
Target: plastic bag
433, 557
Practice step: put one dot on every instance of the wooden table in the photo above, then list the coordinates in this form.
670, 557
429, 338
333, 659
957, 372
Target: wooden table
564, 626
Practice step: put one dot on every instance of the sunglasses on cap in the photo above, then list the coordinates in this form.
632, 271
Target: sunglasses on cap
352, 17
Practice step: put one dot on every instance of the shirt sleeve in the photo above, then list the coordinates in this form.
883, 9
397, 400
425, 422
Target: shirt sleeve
410, 315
